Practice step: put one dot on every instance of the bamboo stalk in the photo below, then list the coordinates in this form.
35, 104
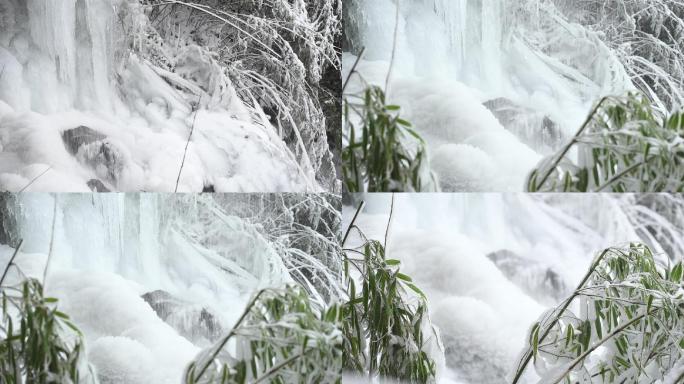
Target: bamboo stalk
528, 354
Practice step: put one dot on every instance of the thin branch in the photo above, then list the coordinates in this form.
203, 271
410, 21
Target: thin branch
192, 129
528, 354
571, 143
11, 262
279, 366
351, 224
231, 334
35, 178
598, 344
353, 69
625, 172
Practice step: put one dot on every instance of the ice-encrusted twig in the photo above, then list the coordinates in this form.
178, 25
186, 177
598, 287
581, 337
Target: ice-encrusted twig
185, 152
34, 179
352, 223
558, 314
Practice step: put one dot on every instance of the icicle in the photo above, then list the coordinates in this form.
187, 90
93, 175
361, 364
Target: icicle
70, 54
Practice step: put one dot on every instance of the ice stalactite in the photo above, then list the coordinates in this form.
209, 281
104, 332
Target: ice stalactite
64, 51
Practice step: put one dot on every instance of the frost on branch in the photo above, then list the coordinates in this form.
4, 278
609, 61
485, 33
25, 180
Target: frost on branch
625, 145
275, 55
281, 338
246, 89
623, 323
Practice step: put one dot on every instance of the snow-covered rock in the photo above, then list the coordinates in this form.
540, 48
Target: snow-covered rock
195, 323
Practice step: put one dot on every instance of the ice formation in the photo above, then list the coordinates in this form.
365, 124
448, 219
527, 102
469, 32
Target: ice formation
151, 279
481, 305
495, 85
143, 83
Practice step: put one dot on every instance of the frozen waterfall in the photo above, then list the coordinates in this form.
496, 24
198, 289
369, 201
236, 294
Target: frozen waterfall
103, 95
59, 55
491, 85
151, 279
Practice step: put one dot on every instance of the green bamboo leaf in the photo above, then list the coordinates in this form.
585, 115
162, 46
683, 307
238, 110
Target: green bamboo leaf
417, 290
404, 277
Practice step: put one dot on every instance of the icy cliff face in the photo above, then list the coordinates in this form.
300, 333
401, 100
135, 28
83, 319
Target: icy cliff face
521, 50
147, 238
59, 53
144, 81
545, 67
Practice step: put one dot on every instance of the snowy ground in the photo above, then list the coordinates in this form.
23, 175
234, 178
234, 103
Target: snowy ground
490, 264
492, 86
227, 153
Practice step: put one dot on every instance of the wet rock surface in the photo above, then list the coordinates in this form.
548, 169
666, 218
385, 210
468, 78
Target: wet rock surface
195, 323
94, 149
96, 185
532, 128
537, 280
75, 138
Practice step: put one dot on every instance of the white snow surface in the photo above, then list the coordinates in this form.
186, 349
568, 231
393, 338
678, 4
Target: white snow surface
65, 64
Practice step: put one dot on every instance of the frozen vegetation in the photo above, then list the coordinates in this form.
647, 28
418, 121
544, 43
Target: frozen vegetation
495, 86
173, 288
150, 95
493, 265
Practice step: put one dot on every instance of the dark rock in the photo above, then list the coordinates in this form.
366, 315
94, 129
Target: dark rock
535, 279
191, 321
531, 127
93, 149
504, 109
75, 138
96, 185
208, 189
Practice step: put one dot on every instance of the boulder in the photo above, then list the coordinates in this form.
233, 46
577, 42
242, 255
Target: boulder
95, 150
537, 280
532, 128
194, 322
75, 138
97, 185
